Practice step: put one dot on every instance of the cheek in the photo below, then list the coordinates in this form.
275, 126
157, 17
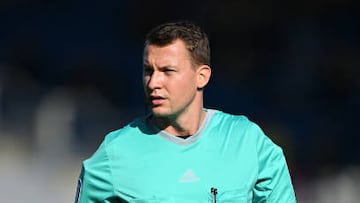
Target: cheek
145, 81
184, 86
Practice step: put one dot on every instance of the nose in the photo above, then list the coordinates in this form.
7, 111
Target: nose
153, 81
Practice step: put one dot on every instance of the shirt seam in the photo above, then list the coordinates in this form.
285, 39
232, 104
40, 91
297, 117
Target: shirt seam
110, 168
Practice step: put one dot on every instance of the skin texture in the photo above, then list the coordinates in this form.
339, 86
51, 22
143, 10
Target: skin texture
174, 88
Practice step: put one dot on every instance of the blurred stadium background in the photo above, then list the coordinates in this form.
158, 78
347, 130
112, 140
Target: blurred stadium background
70, 71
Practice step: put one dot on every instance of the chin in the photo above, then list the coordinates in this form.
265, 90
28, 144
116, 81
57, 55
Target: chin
159, 114
156, 111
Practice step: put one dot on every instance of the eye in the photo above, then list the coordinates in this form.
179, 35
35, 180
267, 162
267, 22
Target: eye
168, 70
148, 70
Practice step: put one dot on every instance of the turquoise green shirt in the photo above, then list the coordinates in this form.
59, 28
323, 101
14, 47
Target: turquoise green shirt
142, 164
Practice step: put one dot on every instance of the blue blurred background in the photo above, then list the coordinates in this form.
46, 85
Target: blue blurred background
70, 72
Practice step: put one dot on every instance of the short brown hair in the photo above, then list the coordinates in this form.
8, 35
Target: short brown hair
195, 39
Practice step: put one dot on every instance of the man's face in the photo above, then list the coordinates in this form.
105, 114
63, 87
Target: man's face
170, 81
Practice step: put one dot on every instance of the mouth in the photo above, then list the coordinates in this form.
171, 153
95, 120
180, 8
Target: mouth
156, 100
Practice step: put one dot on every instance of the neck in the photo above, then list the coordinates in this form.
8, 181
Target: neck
181, 125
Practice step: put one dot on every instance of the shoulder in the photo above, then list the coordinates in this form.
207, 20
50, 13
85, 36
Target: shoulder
117, 140
240, 125
222, 116
232, 120
130, 131
252, 134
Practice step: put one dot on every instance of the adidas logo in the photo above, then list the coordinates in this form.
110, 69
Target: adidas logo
188, 177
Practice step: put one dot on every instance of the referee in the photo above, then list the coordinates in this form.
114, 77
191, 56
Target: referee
183, 152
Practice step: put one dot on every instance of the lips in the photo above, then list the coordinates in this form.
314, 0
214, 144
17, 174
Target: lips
156, 100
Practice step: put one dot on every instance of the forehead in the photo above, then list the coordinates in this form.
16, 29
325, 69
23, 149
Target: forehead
176, 49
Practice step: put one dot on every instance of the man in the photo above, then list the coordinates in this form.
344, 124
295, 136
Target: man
183, 152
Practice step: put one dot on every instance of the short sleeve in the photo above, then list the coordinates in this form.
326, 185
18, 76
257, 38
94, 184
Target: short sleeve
274, 182
95, 180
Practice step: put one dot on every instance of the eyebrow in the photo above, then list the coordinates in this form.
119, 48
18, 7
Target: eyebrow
145, 62
147, 66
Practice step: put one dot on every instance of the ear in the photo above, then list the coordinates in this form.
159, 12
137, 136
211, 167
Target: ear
203, 76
